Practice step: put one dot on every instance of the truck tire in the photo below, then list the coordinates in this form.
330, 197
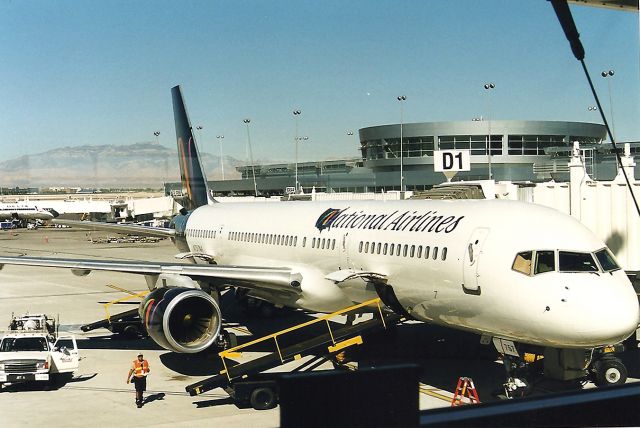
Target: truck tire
610, 372
263, 398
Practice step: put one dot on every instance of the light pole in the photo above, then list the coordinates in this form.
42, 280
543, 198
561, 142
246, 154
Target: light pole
402, 99
253, 168
220, 139
606, 75
157, 134
296, 113
349, 134
489, 87
199, 128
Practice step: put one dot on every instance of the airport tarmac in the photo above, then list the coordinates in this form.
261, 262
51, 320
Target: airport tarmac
98, 393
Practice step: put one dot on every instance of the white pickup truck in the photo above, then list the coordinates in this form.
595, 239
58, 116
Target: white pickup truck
31, 351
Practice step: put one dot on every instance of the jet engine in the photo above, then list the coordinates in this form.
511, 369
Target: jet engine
179, 319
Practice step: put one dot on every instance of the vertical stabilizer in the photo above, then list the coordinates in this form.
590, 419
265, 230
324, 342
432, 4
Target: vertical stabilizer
194, 183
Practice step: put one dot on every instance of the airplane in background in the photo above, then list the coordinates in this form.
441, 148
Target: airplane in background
522, 275
23, 212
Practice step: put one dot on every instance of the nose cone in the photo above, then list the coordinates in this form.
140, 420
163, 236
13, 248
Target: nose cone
613, 318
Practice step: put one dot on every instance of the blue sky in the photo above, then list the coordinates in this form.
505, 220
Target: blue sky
100, 72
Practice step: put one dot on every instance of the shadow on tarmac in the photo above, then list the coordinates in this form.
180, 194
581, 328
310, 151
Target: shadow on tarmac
52, 385
212, 403
443, 353
154, 397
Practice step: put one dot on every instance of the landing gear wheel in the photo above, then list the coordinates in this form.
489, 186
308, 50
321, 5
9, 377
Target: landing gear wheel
226, 340
263, 399
130, 332
610, 372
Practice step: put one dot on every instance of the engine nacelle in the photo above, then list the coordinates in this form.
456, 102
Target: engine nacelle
181, 319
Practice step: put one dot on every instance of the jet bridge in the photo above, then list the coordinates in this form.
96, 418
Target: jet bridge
245, 381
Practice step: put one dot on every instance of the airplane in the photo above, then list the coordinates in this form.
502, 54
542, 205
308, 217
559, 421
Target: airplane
24, 211
525, 275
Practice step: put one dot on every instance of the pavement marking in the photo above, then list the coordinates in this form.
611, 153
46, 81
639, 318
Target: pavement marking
124, 290
147, 392
432, 393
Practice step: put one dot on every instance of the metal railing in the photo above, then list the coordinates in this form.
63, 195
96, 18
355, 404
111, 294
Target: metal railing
336, 346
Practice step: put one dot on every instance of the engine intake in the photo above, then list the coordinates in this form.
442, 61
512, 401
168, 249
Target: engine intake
181, 319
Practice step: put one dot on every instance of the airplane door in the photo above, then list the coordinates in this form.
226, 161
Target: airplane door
345, 259
471, 279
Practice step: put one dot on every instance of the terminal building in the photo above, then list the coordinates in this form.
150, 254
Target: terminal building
519, 151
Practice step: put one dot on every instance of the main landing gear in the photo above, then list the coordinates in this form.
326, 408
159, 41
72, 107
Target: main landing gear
226, 340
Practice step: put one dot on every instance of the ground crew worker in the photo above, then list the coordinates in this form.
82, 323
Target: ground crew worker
138, 373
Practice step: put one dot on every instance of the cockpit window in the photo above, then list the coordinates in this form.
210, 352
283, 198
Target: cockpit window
522, 262
606, 260
576, 262
545, 262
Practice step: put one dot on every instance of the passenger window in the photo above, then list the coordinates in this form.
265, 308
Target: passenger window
323, 243
391, 250
426, 252
366, 247
360, 247
545, 262
398, 247
384, 249
313, 243
333, 244
373, 247
444, 254
378, 248
576, 262
435, 253
413, 251
304, 241
607, 262
419, 254
295, 241
522, 262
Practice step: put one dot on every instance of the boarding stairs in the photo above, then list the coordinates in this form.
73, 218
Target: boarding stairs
331, 342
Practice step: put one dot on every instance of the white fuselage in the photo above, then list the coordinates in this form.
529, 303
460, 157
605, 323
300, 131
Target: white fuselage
24, 212
451, 263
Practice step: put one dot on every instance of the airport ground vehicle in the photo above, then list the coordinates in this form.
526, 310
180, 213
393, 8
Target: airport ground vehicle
249, 384
32, 351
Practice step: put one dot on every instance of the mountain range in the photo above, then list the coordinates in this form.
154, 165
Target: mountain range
136, 165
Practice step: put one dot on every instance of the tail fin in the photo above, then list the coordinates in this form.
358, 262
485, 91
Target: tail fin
194, 183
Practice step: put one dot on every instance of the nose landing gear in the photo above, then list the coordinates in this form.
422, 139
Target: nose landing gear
608, 371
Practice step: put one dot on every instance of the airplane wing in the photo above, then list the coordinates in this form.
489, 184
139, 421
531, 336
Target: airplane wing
136, 229
626, 5
281, 280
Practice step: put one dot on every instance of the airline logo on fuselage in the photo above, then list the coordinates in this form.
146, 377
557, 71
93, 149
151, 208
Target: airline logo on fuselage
412, 221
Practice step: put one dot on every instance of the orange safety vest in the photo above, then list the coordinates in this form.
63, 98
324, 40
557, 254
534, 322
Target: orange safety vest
140, 367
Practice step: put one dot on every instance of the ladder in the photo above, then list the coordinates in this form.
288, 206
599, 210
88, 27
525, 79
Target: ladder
465, 388
331, 342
